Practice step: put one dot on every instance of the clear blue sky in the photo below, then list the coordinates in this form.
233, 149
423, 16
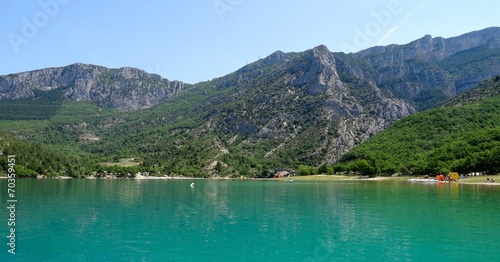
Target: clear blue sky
197, 40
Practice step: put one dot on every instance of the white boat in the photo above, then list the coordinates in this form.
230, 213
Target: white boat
423, 180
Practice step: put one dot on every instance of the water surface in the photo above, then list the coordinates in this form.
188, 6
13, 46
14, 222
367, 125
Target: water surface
167, 220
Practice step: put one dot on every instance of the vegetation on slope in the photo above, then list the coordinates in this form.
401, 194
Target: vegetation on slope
34, 159
453, 138
43, 105
172, 138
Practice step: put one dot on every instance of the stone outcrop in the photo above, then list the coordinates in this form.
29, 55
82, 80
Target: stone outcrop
441, 66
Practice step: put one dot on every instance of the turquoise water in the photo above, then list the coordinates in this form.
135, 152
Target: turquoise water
166, 220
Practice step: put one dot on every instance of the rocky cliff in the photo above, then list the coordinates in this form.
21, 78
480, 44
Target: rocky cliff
431, 49
430, 70
126, 88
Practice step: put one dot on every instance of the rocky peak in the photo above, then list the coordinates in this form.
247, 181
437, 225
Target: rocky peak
131, 73
275, 58
317, 72
426, 49
321, 50
324, 57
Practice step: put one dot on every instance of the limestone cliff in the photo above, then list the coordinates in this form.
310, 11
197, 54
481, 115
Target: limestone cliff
430, 70
126, 88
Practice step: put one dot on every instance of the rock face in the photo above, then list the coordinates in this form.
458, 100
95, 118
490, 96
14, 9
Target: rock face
126, 88
433, 69
431, 49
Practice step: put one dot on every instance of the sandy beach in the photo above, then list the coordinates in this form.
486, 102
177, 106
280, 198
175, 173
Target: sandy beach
477, 180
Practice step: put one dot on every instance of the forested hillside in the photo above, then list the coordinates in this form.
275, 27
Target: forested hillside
34, 159
43, 105
462, 136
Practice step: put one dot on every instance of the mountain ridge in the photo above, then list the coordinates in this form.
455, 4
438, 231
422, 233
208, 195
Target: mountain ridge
104, 86
439, 48
99, 84
439, 67
284, 110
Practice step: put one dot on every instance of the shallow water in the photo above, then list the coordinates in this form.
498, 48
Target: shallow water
167, 220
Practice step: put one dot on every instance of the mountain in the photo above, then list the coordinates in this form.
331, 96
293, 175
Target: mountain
127, 89
299, 101
462, 136
285, 110
430, 70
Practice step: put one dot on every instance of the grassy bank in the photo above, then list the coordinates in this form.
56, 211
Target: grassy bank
480, 180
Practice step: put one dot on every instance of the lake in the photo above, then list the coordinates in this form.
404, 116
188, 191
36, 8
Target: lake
227, 220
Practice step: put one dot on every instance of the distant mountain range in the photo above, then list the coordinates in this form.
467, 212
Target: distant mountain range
284, 110
127, 89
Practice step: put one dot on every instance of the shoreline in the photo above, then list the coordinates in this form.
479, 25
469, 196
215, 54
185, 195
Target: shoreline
477, 180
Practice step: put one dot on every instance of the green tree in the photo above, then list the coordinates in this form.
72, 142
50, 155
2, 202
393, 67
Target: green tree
323, 169
303, 170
